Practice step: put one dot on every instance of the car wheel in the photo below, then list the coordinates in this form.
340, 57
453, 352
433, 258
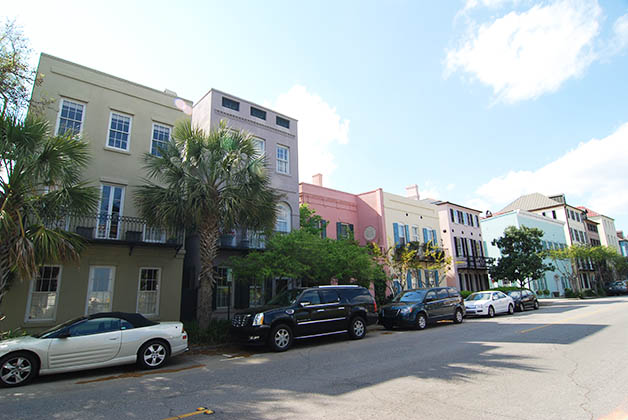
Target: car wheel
511, 309
357, 328
17, 369
522, 307
491, 312
281, 338
536, 304
153, 354
458, 317
421, 321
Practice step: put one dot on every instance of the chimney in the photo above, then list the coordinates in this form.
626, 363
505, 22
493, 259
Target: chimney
317, 179
412, 192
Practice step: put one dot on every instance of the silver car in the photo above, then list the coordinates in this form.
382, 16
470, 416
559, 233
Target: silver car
98, 340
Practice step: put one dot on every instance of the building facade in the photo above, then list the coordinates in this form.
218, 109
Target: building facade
606, 228
623, 243
493, 227
128, 265
462, 238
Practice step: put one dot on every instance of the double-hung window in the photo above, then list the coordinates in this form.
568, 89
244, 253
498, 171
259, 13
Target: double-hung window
402, 235
283, 160
148, 291
119, 131
71, 116
223, 279
283, 218
160, 138
415, 234
260, 145
43, 297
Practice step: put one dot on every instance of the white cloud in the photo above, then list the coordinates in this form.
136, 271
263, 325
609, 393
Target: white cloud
620, 29
429, 190
524, 55
594, 174
319, 128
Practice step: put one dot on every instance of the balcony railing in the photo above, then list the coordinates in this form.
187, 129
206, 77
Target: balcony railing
106, 227
471, 262
242, 239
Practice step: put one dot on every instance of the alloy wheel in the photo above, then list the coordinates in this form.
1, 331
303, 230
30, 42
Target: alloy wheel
422, 322
282, 338
459, 316
358, 328
16, 370
155, 355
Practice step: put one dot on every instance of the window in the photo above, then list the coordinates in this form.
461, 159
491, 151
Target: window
95, 326
283, 160
258, 113
344, 230
477, 221
148, 291
460, 217
231, 104
71, 116
222, 276
100, 289
110, 211
442, 294
282, 122
283, 218
311, 296
554, 214
160, 139
452, 215
329, 296
119, 131
260, 145
415, 234
402, 234
43, 294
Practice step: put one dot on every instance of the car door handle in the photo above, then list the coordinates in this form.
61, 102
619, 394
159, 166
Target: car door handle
320, 310
113, 339
342, 307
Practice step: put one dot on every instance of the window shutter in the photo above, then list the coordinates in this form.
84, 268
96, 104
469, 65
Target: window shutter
324, 229
456, 246
338, 230
451, 213
407, 233
418, 278
351, 235
396, 233
425, 237
477, 221
434, 238
409, 280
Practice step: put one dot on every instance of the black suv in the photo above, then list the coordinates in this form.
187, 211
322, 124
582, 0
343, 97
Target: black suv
306, 313
416, 307
524, 299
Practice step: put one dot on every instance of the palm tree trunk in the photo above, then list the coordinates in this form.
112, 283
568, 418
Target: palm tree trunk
208, 244
4, 270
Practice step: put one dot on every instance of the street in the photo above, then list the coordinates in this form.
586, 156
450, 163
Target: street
564, 361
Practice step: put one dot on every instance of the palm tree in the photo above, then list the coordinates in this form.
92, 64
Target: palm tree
40, 182
207, 183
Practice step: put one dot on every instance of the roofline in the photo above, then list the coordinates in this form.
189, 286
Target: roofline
111, 75
525, 213
245, 100
459, 205
327, 188
587, 210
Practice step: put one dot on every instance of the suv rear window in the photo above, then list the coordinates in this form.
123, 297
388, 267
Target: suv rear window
329, 296
356, 295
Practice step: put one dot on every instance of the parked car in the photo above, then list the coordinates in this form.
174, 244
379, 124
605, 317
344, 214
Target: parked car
524, 299
98, 340
312, 312
616, 288
416, 308
489, 303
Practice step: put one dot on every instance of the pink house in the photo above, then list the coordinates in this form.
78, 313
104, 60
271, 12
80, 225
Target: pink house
357, 215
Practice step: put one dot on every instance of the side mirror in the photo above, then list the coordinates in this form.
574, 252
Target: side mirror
304, 304
64, 334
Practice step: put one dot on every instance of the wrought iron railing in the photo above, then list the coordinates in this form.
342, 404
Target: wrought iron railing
242, 239
472, 262
108, 227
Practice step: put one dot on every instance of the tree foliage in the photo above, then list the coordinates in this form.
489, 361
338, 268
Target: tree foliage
208, 183
310, 221
40, 183
521, 257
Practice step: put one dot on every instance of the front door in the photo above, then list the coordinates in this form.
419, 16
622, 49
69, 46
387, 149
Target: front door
307, 313
431, 305
110, 211
334, 316
90, 341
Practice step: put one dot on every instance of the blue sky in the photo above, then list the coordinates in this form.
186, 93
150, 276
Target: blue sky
476, 101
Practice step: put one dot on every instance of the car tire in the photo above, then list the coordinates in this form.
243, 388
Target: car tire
491, 312
421, 321
511, 309
280, 338
522, 307
17, 369
536, 304
357, 328
153, 354
458, 316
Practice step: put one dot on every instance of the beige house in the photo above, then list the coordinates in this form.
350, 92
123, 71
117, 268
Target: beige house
128, 265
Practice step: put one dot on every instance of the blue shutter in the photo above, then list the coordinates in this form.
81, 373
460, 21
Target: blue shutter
409, 280
338, 230
396, 233
425, 237
435, 238
407, 233
435, 277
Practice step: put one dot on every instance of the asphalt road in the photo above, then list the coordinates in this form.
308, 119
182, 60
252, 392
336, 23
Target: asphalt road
564, 361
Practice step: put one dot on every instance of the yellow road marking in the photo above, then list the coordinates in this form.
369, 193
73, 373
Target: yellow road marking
562, 321
200, 410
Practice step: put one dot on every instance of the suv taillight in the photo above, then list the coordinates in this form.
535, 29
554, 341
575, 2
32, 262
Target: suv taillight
375, 304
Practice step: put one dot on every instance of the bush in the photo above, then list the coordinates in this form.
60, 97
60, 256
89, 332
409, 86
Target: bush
588, 293
216, 333
570, 293
546, 292
18, 332
465, 293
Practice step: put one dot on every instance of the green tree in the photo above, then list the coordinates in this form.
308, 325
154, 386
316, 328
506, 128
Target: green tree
207, 183
521, 257
606, 260
310, 221
40, 183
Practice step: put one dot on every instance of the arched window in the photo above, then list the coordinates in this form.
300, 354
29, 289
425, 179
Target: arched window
283, 218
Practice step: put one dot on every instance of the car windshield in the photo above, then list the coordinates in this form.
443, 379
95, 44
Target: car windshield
285, 298
514, 294
479, 296
410, 296
51, 331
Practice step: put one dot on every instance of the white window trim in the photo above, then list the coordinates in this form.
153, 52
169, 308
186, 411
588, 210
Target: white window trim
59, 114
128, 142
152, 132
102, 184
255, 138
281, 160
139, 285
418, 236
288, 219
91, 281
30, 295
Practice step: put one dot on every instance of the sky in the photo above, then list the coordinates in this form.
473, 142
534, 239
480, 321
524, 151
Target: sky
476, 101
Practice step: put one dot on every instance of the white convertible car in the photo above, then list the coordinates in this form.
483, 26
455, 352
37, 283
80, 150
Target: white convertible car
94, 341
489, 303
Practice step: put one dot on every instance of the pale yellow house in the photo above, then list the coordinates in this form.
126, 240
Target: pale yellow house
128, 265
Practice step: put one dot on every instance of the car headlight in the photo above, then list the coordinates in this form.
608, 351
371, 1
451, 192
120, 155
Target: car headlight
259, 319
406, 310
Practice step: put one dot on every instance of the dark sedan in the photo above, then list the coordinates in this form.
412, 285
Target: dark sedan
616, 288
524, 299
415, 308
